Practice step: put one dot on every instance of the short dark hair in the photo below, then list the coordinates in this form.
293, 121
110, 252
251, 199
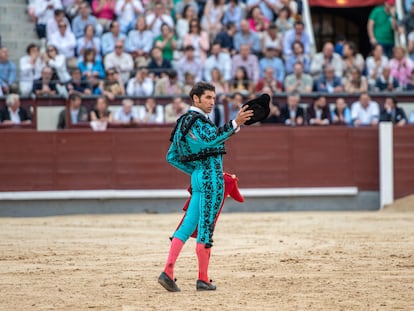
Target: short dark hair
30, 47
74, 96
200, 87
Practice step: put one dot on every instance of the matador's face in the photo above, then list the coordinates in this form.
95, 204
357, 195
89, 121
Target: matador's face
206, 102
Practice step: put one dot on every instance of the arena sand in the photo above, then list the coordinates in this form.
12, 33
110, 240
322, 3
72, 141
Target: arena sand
260, 261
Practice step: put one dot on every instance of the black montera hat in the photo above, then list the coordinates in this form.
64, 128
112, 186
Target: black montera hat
260, 107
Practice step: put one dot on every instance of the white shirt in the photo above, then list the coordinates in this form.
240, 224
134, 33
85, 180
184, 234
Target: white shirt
120, 115
14, 116
157, 117
65, 44
365, 116
135, 88
156, 28
128, 14
222, 63
43, 13
123, 63
59, 64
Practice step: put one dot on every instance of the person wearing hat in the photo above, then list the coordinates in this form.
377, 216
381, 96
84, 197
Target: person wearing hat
197, 148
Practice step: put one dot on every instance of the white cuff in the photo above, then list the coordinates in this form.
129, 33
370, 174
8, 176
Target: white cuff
235, 127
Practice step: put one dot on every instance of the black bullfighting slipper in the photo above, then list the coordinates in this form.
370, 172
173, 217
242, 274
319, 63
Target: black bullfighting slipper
201, 285
168, 283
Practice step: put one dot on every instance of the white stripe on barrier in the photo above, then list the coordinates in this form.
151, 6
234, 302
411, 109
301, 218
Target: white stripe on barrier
169, 193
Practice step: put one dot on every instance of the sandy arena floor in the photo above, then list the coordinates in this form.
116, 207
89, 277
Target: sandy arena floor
279, 261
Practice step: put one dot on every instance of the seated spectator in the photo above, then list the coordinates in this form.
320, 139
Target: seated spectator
327, 56
189, 81
292, 114
365, 111
89, 41
247, 37
297, 56
318, 113
101, 111
150, 112
83, 19
127, 12
158, 66
234, 105
78, 113
212, 16
31, 66
52, 25
247, 60
12, 113
64, 40
175, 110
121, 61
45, 86
7, 72
297, 33
126, 113
78, 84
274, 114
393, 113
113, 85
401, 66
140, 85
57, 62
182, 27
271, 39
218, 81
167, 42
109, 38
375, 64
189, 63
241, 82
356, 83
269, 82
257, 21
104, 10
271, 60
219, 60
284, 21
233, 13
180, 8
225, 38
341, 114
351, 59
386, 82
198, 39
45, 11
139, 43
298, 81
169, 85
92, 70
158, 17
410, 85
328, 82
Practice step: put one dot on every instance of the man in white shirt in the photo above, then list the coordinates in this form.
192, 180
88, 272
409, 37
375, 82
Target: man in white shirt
159, 17
52, 25
45, 11
64, 40
141, 84
127, 12
121, 61
219, 60
365, 111
327, 56
189, 63
126, 114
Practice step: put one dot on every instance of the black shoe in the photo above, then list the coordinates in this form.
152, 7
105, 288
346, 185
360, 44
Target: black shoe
168, 283
201, 285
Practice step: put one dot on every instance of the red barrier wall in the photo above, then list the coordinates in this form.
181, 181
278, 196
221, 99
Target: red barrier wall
266, 156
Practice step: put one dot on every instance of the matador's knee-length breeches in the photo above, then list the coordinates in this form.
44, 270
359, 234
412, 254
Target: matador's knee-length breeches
207, 185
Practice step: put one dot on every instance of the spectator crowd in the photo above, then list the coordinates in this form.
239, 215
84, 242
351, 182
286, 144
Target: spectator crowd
142, 48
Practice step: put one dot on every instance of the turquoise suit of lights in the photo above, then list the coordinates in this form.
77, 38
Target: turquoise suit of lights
197, 148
